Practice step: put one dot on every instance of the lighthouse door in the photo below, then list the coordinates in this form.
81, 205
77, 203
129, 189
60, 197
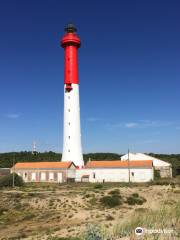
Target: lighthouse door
59, 177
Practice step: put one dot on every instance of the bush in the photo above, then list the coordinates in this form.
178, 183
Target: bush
7, 181
136, 195
92, 233
98, 186
109, 218
114, 192
111, 201
135, 199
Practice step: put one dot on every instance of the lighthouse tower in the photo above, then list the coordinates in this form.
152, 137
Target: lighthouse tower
72, 149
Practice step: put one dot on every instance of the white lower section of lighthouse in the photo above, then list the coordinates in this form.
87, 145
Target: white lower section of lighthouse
72, 148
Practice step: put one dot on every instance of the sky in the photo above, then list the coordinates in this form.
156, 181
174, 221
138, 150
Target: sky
129, 71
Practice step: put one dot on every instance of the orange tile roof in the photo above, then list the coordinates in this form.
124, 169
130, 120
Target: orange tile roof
118, 164
40, 165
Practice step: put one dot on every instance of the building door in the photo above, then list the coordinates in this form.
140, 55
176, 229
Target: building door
51, 176
33, 176
25, 178
43, 176
59, 177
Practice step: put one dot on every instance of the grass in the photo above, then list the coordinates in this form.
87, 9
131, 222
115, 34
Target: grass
164, 218
36, 209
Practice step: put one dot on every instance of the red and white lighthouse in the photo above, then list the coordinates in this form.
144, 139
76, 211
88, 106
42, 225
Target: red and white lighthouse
72, 149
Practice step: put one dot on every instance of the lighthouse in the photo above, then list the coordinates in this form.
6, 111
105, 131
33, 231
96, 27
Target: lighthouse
72, 148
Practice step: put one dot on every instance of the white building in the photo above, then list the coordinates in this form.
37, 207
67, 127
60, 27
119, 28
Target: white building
45, 171
164, 168
116, 171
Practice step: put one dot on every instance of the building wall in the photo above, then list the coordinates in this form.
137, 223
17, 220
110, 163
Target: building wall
43, 175
164, 168
116, 174
165, 172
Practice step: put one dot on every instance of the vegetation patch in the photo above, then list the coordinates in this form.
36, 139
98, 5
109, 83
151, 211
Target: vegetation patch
93, 233
163, 218
62, 238
109, 218
114, 192
111, 201
7, 181
135, 199
98, 186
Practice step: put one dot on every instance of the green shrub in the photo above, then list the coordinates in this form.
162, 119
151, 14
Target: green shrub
135, 199
98, 186
87, 195
109, 218
114, 192
136, 195
111, 201
7, 181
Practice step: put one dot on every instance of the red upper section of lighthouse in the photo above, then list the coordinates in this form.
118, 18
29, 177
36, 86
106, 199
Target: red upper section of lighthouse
70, 42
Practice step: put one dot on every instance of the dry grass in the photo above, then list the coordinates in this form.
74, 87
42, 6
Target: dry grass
52, 211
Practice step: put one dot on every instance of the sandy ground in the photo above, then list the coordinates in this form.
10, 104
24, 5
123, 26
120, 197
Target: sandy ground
38, 212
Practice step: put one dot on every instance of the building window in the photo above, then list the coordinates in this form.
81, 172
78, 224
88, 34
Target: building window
69, 123
68, 97
69, 137
94, 175
68, 150
132, 174
68, 110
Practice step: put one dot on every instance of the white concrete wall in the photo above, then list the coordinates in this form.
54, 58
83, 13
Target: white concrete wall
71, 173
116, 174
72, 149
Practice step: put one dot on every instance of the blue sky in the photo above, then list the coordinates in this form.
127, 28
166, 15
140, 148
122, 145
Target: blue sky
129, 70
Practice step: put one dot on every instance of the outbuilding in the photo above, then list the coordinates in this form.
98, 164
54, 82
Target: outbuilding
116, 171
45, 171
164, 168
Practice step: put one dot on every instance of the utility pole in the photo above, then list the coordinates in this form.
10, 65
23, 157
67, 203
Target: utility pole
13, 182
128, 168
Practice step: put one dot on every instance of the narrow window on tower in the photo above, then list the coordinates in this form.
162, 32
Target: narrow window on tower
69, 123
69, 110
68, 150
69, 137
68, 97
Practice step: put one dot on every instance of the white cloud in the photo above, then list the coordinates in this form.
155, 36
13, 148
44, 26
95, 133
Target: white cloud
142, 124
93, 119
148, 124
131, 125
13, 116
